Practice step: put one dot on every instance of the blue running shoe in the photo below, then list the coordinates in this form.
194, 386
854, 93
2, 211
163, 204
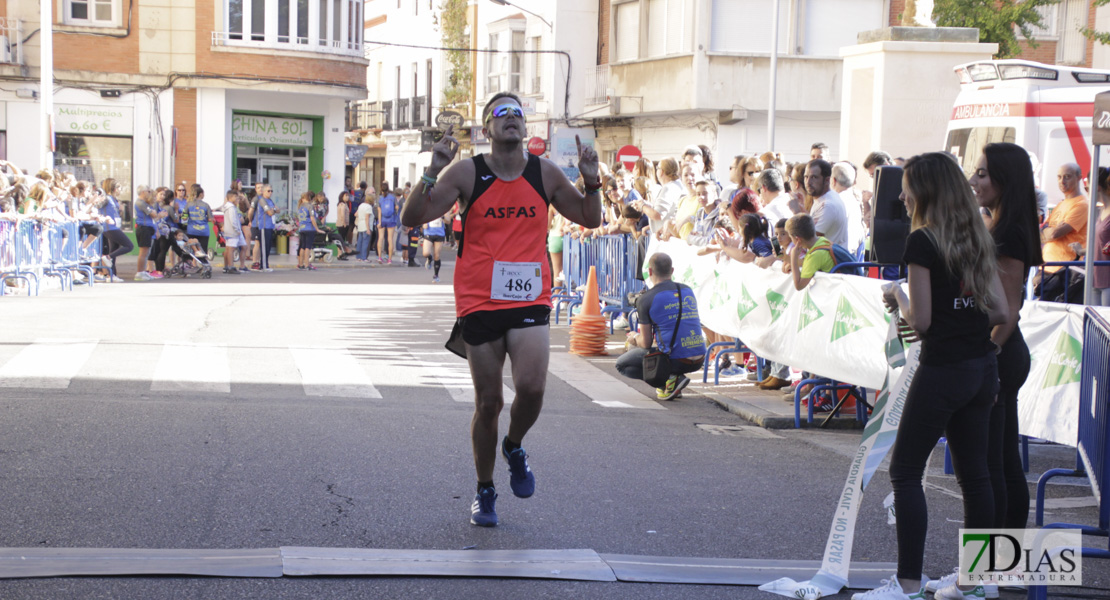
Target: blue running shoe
482, 513
521, 479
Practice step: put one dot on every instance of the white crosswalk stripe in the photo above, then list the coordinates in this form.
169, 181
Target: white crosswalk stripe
454, 375
333, 372
46, 364
187, 367
321, 372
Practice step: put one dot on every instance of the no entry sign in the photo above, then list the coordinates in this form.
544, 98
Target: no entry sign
628, 155
537, 146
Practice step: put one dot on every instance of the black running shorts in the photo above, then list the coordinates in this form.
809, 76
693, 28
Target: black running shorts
144, 235
485, 326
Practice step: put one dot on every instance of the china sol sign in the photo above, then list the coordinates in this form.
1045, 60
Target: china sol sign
278, 131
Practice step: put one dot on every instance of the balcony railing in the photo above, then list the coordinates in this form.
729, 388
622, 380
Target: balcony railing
11, 41
403, 113
365, 115
419, 110
387, 115
297, 44
597, 85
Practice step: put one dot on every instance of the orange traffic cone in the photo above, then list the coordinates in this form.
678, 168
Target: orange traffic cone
590, 303
587, 329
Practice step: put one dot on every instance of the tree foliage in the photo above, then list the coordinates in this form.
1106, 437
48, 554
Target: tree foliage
1098, 36
997, 20
452, 26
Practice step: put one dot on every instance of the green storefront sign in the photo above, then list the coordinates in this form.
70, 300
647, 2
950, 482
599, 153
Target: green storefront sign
270, 131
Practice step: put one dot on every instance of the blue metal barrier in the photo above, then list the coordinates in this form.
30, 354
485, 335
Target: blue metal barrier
726, 348
31, 249
614, 260
1067, 265
1093, 454
843, 267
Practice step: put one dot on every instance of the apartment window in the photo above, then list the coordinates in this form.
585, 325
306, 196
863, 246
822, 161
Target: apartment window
334, 25
516, 70
755, 39
415, 79
493, 77
1048, 18
627, 26
670, 27
100, 13
428, 89
537, 65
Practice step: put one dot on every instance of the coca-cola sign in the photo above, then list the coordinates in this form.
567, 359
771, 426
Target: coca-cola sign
1101, 130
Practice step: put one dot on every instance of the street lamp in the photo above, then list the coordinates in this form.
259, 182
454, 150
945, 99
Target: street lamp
507, 3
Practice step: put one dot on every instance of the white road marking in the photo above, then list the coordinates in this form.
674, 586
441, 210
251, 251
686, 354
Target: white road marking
453, 373
46, 364
189, 367
599, 386
333, 372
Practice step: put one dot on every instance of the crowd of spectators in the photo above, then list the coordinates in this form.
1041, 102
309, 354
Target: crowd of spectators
800, 218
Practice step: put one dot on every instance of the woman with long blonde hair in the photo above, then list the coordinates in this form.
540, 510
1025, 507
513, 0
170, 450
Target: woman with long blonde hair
955, 298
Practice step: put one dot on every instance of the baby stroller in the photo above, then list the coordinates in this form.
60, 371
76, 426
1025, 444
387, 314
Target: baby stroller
320, 250
191, 261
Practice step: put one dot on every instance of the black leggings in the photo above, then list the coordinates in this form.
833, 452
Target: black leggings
266, 243
161, 247
1011, 490
954, 400
118, 244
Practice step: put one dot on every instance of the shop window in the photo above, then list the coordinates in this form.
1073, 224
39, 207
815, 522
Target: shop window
96, 158
96, 13
300, 152
246, 170
273, 151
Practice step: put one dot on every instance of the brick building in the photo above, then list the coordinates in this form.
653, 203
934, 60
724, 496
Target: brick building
156, 91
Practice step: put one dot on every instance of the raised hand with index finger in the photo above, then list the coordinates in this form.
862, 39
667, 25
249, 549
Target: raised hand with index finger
443, 152
587, 162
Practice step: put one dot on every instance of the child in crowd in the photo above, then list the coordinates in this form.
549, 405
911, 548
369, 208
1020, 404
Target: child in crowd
233, 232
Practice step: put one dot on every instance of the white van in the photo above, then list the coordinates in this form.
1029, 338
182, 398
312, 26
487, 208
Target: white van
1046, 109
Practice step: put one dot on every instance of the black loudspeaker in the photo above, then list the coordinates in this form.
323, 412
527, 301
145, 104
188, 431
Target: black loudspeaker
890, 225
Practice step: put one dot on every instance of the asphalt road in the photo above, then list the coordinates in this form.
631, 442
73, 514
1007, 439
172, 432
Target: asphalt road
149, 443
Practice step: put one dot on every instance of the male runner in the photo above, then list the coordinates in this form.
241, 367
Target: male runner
502, 279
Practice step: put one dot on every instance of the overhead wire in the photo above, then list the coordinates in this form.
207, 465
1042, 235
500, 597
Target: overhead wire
566, 80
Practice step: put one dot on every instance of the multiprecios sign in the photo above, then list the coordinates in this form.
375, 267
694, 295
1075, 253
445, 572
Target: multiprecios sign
255, 129
93, 120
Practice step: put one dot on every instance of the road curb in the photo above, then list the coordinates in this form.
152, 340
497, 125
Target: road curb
771, 420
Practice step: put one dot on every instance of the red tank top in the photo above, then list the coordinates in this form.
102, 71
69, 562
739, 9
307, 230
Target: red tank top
503, 253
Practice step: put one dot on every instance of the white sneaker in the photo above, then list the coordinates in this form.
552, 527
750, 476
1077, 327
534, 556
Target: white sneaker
115, 279
267, 270
990, 589
620, 323
891, 590
953, 592
943, 582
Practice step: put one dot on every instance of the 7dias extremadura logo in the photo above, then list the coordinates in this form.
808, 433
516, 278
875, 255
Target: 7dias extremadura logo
1021, 556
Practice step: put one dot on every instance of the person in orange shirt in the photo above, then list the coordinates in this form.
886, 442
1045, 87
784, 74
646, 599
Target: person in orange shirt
1067, 223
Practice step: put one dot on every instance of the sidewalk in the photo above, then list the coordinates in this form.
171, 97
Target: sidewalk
738, 395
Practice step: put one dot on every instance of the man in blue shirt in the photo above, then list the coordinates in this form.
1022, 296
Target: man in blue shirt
659, 309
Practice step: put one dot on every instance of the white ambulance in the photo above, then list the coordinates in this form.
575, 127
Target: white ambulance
1046, 109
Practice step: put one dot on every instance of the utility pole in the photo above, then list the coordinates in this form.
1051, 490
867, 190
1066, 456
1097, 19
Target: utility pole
774, 76
46, 83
